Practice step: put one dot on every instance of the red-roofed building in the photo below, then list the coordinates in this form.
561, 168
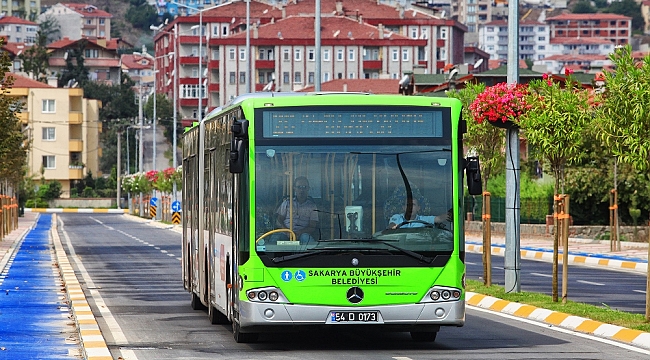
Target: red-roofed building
79, 20
374, 86
138, 67
359, 39
13, 50
556, 64
613, 27
18, 30
100, 57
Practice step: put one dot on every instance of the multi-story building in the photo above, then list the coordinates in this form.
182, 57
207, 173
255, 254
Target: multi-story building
77, 21
64, 131
100, 57
613, 27
26, 9
359, 39
139, 67
18, 30
555, 64
475, 13
534, 39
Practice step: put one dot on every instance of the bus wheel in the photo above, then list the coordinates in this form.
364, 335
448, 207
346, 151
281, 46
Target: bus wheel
424, 336
241, 337
216, 317
196, 303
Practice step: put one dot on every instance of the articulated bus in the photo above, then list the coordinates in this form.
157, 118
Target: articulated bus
287, 207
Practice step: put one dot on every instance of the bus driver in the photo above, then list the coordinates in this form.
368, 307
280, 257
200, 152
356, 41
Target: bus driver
398, 219
305, 215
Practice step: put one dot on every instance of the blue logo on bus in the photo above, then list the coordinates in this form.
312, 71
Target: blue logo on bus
286, 275
300, 275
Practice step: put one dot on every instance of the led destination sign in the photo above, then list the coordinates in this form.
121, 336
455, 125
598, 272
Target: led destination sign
371, 122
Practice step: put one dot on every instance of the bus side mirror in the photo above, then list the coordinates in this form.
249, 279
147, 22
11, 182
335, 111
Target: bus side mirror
473, 173
239, 129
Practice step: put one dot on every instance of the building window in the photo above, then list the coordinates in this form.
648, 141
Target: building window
102, 21
443, 33
352, 75
414, 32
91, 53
18, 28
394, 55
490, 38
231, 54
215, 54
297, 54
233, 77
49, 162
195, 72
490, 29
242, 54
311, 55
285, 55
351, 54
242, 77
405, 54
49, 106
285, 77
310, 77
89, 21
326, 76
224, 30
541, 47
49, 134
424, 33
326, 54
297, 77
339, 55
541, 38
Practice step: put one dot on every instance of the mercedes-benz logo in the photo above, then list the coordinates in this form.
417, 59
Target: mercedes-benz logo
355, 295
355, 261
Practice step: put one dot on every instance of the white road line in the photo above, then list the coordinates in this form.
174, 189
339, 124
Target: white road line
639, 291
114, 328
468, 263
171, 255
163, 251
401, 358
542, 275
590, 282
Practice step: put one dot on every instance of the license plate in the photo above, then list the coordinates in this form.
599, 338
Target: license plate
354, 316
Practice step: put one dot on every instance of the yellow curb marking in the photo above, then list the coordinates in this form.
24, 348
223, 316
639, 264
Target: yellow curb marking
628, 265
90, 332
580, 259
524, 252
69, 210
627, 335
589, 326
603, 262
539, 255
94, 344
499, 305
556, 318
525, 310
474, 300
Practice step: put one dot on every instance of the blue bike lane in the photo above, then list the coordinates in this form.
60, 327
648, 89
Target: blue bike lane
35, 320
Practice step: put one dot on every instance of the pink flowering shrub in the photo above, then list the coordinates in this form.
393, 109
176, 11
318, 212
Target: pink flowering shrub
502, 102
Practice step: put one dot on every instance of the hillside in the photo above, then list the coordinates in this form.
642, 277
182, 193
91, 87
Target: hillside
118, 9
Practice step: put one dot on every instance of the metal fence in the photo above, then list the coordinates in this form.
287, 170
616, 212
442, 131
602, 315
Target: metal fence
532, 211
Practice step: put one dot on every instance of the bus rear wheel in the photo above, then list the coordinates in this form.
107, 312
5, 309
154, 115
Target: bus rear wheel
196, 303
424, 336
241, 337
216, 317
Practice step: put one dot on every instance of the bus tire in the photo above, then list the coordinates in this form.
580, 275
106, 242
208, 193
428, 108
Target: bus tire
196, 303
241, 337
424, 336
216, 317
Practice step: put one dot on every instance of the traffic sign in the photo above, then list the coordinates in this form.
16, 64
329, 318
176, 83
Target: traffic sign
153, 201
176, 218
176, 206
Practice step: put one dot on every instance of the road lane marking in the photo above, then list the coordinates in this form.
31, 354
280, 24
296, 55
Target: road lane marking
542, 275
639, 291
468, 263
589, 282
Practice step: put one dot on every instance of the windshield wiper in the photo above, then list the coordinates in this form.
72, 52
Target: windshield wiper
410, 253
296, 256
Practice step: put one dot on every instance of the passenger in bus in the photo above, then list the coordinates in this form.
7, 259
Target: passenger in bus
438, 220
305, 214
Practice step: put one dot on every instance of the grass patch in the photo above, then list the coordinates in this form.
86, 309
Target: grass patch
603, 314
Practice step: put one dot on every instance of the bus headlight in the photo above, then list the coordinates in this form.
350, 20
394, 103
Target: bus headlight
441, 294
266, 295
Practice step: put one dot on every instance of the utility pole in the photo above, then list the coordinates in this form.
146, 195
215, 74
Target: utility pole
175, 86
119, 167
141, 145
317, 71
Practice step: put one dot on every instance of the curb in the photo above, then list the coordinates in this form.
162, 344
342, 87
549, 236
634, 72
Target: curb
575, 323
75, 210
93, 344
640, 265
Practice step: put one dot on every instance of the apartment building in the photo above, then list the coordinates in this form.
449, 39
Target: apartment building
17, 30
101, 57
139, 67
77, 21
26, 9
534, 39
359, 39
613, 27
64, 130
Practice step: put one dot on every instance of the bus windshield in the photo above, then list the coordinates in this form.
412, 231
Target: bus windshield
393, 200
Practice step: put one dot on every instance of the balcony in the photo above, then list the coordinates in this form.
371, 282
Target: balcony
423, 63
75, 173
213, 64
213, 87
440, 42
75, 117
190, 60
75, 145
23, 117
76, 92
186, 40
372, 64
265, 64
191, 102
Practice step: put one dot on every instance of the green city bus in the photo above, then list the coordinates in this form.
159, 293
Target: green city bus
299, 210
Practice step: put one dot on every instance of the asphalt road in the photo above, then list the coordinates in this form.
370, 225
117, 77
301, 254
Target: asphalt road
621, 290
130, 272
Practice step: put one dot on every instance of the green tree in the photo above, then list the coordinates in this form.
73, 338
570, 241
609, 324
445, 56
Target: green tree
75, 70
141, 15
13, 142
584, 7
483, 139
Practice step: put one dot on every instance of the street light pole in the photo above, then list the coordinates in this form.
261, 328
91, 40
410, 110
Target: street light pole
119, 168
199, 117
174, 161
141, 145
248, 47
